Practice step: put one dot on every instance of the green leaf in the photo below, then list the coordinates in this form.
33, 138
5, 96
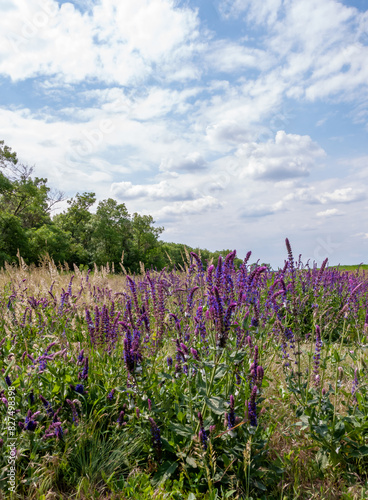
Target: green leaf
180, 416
221, 372
216, 404
259, 485
56, 389
165, 471
181, 429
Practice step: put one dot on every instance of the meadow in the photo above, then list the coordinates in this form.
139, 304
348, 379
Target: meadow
212, 381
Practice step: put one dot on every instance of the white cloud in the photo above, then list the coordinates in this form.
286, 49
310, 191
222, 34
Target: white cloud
331, 212
161, 191
229, 57
191, 207
259, 12
343, 195
288, 156
115, 39
192, 162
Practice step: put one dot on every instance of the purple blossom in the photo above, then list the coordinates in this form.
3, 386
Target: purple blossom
74, 411
194, 353
202, 432
317, 356
120, 420
83, 375
47, 406
252, 407
79, 388
355, 384
30, 424
156, 438
231, 414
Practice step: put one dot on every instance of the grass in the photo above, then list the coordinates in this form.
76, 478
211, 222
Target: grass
299, 428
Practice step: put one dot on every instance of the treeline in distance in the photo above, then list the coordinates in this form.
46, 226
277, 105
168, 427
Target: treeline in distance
77, 235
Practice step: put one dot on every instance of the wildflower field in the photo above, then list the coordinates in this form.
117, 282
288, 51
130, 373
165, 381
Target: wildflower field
210, 382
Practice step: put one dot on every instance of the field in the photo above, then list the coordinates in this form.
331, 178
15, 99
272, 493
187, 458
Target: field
208, 382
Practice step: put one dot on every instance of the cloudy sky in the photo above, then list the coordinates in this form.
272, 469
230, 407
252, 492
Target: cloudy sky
235, 123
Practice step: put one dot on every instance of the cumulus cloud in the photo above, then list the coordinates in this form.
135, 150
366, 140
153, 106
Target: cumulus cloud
161, 191
286, 157
229, 57
192, 162
115, 38
331, 212
190, 207
343, 195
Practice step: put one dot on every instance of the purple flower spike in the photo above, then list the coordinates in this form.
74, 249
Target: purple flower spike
260, 374
79, 388
30, 424
74, 411
354, 387
194, 353
317, 356
156, 438
231, 414
120, 419
252, 407
202, 432
47, 406
169, 361
84, 374
149, 404
110, 395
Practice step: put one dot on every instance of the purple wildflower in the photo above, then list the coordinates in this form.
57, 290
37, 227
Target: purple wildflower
84, 374
120, 419
354, 387
74, 411
252, 407
231, 414
317, 356
47, 406
79, 388
30, 424
194, 353
156, 438
110, 395
80, 358
202, 432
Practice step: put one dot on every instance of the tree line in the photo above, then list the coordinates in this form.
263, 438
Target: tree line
77, 235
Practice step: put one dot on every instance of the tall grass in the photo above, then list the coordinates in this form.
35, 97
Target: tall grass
209, 383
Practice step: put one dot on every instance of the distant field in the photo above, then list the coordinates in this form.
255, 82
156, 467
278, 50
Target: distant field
362, 267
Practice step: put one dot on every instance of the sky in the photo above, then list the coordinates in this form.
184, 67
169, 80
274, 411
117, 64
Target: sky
234, 123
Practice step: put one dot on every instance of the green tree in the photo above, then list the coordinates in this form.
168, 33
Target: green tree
76, 221
144, 243
13, 237
111, 234
51, 239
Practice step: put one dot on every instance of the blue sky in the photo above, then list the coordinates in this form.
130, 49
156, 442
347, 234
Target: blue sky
235, 123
